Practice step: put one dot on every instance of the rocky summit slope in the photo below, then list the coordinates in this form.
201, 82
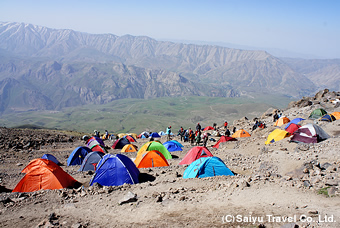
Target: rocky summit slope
283, 184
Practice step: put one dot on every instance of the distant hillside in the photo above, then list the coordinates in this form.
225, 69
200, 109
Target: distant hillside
325, 73
64, 68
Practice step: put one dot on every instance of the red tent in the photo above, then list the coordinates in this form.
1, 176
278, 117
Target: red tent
99, 148
194, 154
130, 138
208, 128
43, 174
292, 128
224, 139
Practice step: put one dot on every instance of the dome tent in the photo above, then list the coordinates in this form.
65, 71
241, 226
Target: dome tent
172, 146
91, 160
223, 139
150, 159
309, 133
154, 145
115, 170
317, 113
207, 167
276, 135
77, 156
44, 174
194, 154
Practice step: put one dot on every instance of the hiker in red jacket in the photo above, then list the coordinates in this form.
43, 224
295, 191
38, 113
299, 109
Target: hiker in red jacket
225, 124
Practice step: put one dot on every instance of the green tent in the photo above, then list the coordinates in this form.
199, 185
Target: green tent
155, 145
161, 148
317, 113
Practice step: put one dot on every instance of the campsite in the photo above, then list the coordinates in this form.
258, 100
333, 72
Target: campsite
263, 177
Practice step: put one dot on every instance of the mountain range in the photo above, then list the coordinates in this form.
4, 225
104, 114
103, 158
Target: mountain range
49, 69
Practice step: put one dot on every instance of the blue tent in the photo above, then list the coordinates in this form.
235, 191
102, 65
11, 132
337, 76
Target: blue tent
207, 167
51, 158
179, 144
295, 121
161, 133
91, 160
328, 118
77, 156
115, 170
155, 135
172, 146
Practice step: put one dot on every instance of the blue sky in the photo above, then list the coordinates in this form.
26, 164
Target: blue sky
302, 26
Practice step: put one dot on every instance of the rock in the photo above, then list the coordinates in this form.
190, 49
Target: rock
77, 225
94, 187
331, 191
182, 198
331, 183
320, 94
313, 212
303, 147
307, 184
128, 198
19, 164
159, 198
325, 166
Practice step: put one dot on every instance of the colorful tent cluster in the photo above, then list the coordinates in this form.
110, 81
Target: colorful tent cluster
281, 121
43, 174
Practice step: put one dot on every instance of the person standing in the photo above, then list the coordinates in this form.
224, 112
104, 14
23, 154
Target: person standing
198, 127
225, 125
168, 132
181, 133
191, 136
205, 139
198, 138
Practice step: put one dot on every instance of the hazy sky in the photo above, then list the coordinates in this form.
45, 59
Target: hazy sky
302, 26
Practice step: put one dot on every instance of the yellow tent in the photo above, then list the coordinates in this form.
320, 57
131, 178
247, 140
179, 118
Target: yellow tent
129, 148
121, 135
277, 135
281, 121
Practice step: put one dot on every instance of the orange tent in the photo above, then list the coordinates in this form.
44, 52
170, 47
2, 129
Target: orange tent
129, 148
336, 115
240, 133
281, 121
43, 174
151, 158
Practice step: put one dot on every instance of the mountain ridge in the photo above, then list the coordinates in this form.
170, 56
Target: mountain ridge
64, 59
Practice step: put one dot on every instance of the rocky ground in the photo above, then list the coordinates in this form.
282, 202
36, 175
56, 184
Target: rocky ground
283, 184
